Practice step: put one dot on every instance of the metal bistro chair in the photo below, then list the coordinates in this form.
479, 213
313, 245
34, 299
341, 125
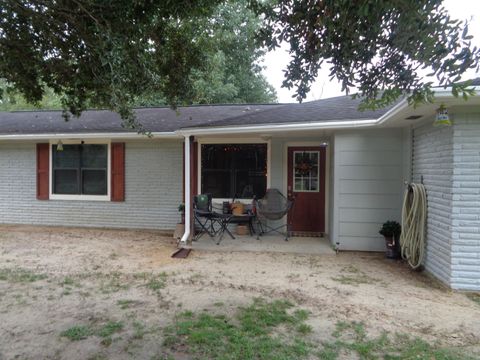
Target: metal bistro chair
273, 206
213, 223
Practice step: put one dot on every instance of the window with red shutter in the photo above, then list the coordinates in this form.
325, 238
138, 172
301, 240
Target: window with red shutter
81, 170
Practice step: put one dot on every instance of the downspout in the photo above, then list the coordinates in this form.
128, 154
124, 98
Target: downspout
187, 187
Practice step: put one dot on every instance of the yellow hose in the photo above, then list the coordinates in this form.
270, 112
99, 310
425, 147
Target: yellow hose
414, 216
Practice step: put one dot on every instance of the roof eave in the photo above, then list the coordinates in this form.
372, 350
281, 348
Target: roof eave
116, 135
306, 126
239, 129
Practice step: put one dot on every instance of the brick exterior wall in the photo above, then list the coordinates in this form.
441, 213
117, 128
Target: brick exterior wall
449, 160
153, 182
433, 159
465, 251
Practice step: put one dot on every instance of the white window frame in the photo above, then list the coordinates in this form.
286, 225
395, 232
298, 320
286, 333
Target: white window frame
318, 171
76, 197
206, 141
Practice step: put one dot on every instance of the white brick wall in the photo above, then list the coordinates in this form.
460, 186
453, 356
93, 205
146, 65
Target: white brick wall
433, 159
465, 262
153, 181
449, 160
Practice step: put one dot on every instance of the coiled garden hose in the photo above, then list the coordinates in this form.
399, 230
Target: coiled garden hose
414, 217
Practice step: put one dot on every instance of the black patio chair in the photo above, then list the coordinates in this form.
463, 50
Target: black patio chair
273, 206
212, 223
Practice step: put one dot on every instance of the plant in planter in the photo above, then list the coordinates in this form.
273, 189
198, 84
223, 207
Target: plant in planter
180, 227
391, 231
181, 210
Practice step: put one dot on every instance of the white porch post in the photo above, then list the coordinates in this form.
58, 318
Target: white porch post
187, 187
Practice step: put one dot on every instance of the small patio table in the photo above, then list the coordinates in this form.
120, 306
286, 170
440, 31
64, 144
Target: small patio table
223, 220
244, 219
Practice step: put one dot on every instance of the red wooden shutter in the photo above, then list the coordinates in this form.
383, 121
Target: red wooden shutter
118, 172
43, 169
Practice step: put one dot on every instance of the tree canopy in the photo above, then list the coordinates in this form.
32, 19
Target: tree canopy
375, 47
115, 54
223, 68
235, 62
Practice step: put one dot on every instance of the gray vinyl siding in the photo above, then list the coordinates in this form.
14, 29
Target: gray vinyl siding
433, 159
276, 165
153, 190
368, 186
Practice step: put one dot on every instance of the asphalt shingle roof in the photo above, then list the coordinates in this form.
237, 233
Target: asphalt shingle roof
333, 109
164, 119
159, 119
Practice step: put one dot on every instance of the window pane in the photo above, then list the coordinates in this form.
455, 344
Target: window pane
234, 170
94, 182
69, 157
306, 167
216, 182
65, 181
80, 169
94, 156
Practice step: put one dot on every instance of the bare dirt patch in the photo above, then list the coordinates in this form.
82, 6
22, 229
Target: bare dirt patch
91, 294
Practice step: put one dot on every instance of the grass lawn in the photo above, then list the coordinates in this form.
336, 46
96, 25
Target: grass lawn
104, 294
277, 330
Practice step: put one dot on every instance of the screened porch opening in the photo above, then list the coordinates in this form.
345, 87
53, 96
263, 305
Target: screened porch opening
234, 170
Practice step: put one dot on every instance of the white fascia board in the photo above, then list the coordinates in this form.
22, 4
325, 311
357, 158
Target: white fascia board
155, 135
402, 105
319, 125
447, 92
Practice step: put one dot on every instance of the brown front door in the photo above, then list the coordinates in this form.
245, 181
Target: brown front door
306, 185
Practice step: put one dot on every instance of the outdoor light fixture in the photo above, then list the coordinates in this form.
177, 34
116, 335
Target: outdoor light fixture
59, 145
441, 117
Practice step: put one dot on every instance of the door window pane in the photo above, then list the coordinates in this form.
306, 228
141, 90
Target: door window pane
306, 171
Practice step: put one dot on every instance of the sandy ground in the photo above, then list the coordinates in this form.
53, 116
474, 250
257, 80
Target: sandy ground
86, 276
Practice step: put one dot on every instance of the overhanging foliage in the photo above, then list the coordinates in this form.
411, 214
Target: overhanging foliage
377, 47
114, 54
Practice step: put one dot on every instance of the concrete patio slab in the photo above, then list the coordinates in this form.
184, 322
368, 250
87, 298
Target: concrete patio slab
267, 243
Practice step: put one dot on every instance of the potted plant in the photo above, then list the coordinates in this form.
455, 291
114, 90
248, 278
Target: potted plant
391, 231
180, 227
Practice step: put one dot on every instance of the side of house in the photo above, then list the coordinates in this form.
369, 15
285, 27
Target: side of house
448, 160
153, 189
368, 183
347, 170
